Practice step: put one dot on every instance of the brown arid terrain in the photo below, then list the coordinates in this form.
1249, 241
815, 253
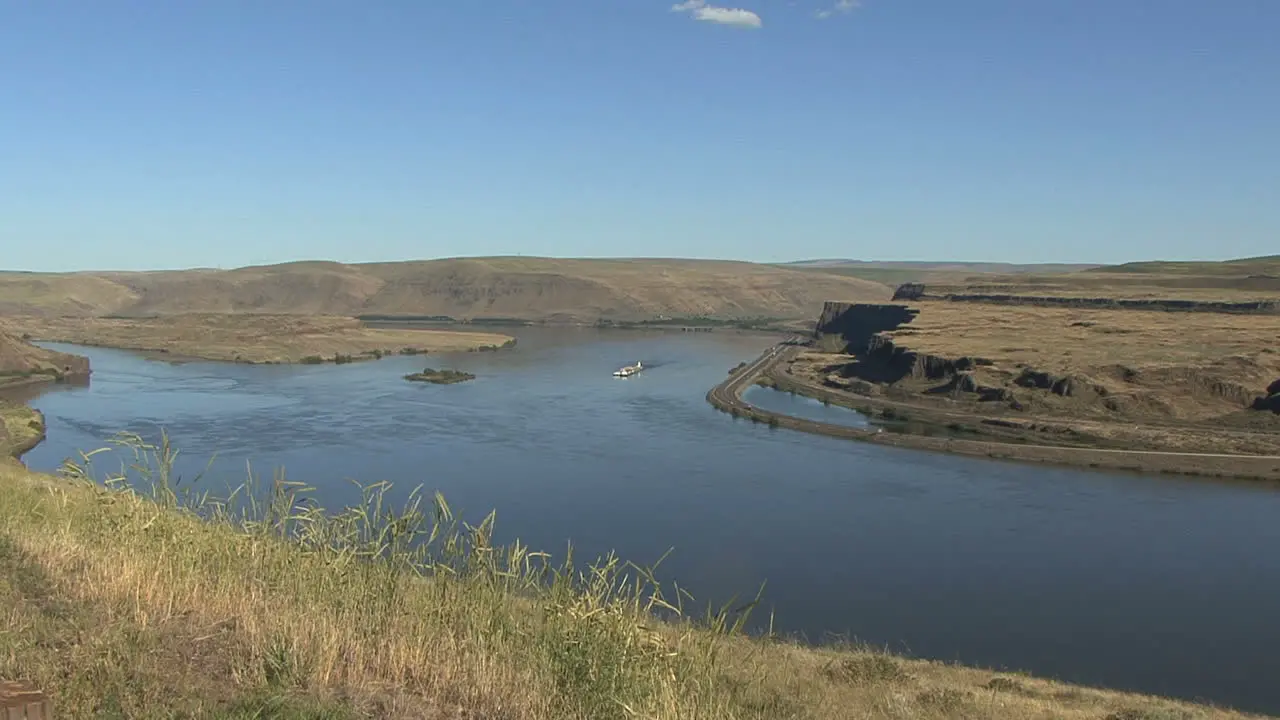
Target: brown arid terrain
1036, 373
1235, 281
250, 338
22, 363
122, 604
540, 289
1193, 379
897, 273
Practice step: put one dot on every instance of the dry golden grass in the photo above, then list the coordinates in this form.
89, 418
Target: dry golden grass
1062, 339
1139, 380
1183, 365
526, 288
61, 294
249, 338
124, 606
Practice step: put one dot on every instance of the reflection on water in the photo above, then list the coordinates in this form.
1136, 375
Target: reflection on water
28, 392
804, 407
1158, 584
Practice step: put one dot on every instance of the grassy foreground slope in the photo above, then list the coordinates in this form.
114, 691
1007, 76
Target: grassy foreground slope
120, 605
525, 288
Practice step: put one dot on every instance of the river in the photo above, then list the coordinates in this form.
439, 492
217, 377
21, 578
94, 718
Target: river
1157, 584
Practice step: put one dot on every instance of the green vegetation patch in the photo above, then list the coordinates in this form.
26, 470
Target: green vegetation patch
440, 377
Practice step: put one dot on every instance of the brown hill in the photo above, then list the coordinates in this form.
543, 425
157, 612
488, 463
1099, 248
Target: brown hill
527, 288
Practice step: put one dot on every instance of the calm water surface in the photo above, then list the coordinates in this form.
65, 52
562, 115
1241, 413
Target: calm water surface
1156, 584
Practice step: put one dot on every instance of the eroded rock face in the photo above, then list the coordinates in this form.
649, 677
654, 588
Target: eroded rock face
850, 327
909, 291
1064, 386
1035, 379
1270, 401
965, 383
890, 362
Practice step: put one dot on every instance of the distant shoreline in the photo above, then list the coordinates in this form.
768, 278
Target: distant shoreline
498, 324
255, 339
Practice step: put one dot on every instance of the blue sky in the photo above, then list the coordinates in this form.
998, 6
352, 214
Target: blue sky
232, 132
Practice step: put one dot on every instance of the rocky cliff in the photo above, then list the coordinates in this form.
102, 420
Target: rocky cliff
1270, 401
850, 327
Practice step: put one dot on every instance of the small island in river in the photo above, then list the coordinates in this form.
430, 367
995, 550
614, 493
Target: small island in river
440, 377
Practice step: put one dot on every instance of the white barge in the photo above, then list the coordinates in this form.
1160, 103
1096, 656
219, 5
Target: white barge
629, 370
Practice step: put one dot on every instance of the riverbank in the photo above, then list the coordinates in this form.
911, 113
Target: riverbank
225, 617
21, 429
255, 339
728, 397
23, 364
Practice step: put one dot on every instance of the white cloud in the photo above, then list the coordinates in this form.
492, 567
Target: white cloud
842, 7
700, 10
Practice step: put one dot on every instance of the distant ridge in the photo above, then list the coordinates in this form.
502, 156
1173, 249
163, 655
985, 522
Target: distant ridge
1262, 265
527, 288
979, 267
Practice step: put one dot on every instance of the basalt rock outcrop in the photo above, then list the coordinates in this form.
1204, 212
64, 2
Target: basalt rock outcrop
850, 327
965, 382
1270, 401
909, 291
897, 362
1064, 386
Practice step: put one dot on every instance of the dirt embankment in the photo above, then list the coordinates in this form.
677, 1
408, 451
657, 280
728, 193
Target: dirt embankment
1091, 378
255, 338
22, 363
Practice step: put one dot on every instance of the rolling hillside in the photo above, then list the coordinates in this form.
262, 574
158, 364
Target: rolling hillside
896, 273
526, 288
1243, 267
